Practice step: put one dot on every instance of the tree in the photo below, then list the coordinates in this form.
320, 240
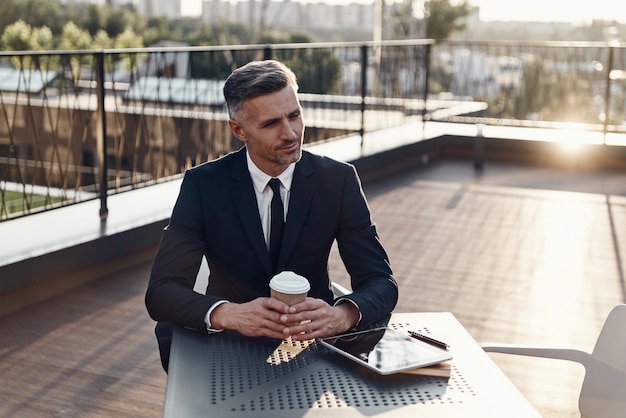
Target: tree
96, 19
128, 39
36, 13
443, 18
406, 21
42, 39
119, 20
74, 38
20, 36
17, 37
318, 70
101, 40
157, 30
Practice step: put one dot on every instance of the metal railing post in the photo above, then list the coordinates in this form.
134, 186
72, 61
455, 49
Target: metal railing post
479, 148
607, 93
425, 115
364, 65
101, 136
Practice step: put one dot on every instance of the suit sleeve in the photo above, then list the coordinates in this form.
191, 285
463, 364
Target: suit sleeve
375, 290
170, 296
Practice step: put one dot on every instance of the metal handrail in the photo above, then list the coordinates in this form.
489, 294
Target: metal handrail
86, 117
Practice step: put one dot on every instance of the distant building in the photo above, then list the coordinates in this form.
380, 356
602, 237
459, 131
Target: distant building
113, 3
166, 64
33, 83
290, 14
159, 8
273, 14
177, 91
82, 1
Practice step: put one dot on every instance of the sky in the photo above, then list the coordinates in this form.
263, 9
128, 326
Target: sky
573, 11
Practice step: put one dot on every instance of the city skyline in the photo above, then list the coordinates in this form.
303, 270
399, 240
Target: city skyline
506, 10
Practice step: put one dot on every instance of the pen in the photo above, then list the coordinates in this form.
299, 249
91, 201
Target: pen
429, 340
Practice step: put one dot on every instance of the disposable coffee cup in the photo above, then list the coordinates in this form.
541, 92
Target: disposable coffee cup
289, 287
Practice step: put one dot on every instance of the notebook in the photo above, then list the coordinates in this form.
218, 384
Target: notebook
385, 350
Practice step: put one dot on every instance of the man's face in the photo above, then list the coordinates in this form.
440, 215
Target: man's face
272, 128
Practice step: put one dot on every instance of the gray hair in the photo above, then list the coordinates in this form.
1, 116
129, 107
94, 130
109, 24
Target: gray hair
256, 78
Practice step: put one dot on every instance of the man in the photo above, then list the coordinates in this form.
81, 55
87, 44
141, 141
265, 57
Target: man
223, 213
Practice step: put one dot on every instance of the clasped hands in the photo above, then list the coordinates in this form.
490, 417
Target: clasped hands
269, 317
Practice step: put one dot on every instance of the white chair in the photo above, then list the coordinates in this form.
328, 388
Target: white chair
603, 393
339, 290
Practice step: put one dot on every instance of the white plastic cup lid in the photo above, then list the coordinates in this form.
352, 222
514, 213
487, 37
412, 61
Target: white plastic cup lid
290, 283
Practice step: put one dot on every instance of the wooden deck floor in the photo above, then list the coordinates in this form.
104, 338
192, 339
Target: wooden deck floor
87, 353
518, 254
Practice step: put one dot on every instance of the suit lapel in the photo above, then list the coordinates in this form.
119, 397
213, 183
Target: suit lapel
302, 191
247, 208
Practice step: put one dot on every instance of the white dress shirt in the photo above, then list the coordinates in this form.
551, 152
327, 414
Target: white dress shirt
264, 196
264, 193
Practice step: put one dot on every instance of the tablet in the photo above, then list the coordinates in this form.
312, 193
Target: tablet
385, 350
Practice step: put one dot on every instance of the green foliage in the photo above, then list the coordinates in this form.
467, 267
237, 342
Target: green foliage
95, 20
75, 38
20, 36
17, 202
440, 80
41, 38
157, 30
101, 40
119, 21
17, 37
51, 14
35, 13
318, 70
445, 18
547, 95
406, 26
128, 39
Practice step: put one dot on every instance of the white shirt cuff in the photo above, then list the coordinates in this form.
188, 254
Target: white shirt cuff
341, 300
207, 317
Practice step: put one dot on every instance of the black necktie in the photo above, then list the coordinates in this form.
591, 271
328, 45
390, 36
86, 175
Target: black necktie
277, 223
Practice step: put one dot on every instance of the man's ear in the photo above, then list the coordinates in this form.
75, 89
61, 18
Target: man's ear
236, 130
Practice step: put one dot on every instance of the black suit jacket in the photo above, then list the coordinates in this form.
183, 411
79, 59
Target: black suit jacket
216, 215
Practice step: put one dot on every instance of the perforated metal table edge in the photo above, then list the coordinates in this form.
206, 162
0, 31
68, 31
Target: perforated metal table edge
233, 376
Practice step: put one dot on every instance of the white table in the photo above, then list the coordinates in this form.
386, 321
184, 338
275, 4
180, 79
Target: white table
227, 375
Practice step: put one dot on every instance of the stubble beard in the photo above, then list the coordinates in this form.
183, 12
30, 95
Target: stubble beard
292, 157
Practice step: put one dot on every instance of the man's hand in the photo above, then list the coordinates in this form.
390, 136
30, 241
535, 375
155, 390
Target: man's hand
314, 318
260, 317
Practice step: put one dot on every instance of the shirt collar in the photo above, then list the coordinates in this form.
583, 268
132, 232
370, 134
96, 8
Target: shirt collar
260, 179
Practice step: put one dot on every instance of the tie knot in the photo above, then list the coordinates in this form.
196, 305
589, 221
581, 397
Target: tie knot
275, 185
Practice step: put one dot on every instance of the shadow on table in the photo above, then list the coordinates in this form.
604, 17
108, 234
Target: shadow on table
300, 376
